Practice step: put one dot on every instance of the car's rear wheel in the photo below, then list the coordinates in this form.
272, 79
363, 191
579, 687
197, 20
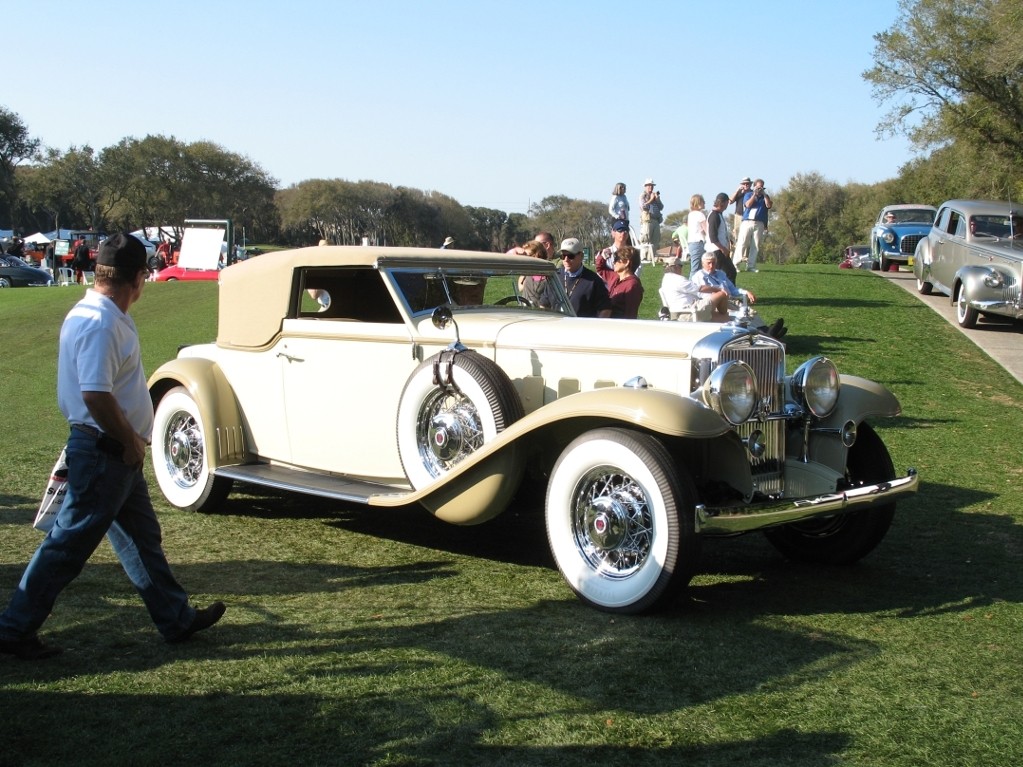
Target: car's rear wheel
4, 282
452, 404
620, 521
180, 448
845, 538
966, 315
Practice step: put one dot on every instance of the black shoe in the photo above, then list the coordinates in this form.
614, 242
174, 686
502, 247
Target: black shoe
776, 328
29, 648
203, 619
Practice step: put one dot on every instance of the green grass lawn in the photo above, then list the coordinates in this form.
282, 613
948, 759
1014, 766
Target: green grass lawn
383, 637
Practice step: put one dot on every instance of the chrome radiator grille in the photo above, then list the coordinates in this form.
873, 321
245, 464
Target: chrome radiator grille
768, 362
767, 359
909, 243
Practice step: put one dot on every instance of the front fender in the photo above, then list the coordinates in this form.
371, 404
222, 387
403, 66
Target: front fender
922, 261
976, 291
860, 399
214, 397
481, 485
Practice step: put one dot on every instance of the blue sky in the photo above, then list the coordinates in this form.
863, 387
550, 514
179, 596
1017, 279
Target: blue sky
495, 104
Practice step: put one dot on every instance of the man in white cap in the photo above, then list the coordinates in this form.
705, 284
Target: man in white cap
448, 242
586, 291
650, 216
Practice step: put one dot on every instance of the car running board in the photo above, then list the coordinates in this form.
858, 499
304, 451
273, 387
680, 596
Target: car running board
324, 485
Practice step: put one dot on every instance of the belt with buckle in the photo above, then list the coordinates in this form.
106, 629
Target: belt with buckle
92, 431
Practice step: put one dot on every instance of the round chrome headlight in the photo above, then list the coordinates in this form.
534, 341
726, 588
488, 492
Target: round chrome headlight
815, 384
731, 390
888, 237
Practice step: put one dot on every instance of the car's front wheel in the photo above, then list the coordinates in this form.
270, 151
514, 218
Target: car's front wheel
966, 315
4, 282
452, 404
179, 455
845, 538
923, 287
620, 520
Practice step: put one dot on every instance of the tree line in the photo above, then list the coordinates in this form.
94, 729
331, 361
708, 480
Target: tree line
951, 72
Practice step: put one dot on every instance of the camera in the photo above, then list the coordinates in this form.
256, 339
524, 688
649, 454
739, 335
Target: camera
759, 192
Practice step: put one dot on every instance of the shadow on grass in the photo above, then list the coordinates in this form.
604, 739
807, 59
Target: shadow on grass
942, 556
308, 729
593, 668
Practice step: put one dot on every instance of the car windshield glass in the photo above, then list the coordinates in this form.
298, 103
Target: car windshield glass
911, 216
424, 289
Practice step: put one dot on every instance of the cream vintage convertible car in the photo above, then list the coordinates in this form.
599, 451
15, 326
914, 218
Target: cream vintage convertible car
389, 376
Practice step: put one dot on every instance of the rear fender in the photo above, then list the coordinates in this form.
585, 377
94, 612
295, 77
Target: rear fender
214, 397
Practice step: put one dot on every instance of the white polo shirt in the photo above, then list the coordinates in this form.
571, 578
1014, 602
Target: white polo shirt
99, 351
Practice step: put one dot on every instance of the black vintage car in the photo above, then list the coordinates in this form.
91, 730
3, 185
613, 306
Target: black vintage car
15, 273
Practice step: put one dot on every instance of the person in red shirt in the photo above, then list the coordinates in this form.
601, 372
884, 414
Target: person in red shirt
626, 290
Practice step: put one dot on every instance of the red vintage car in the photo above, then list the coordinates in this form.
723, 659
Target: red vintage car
176, 272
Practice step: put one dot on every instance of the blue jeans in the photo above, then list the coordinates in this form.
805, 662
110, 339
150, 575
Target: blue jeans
695, 257
104, 497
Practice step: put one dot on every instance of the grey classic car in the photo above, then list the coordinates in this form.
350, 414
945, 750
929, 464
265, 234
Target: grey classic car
895, 235
396, 376
974, 255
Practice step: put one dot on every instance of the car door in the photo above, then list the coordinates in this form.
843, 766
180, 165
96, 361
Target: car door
344, 366
943, 246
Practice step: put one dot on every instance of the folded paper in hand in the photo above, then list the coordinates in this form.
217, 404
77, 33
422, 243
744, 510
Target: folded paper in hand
53, 498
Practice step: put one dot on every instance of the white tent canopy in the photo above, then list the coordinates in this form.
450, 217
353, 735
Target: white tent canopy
38, 238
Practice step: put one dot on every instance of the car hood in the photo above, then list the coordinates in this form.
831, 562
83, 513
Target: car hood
583, 334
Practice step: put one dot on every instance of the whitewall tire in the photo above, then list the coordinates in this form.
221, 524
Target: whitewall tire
180, 448
620, 520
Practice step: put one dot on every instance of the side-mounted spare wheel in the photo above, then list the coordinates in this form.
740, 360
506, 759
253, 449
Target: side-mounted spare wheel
452, 404
845, 538
620, 521
180, 447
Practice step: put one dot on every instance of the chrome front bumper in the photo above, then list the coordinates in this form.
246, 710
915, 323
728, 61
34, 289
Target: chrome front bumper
727, 520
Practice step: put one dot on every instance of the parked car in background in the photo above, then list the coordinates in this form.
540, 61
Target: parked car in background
176, 272
857, 257
898, 229
393, 376
974, 254
15, 273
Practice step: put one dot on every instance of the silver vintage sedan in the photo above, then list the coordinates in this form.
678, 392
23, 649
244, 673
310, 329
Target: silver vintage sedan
974, 255
388, 376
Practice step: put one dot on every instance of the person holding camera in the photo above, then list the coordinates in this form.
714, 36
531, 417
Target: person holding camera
736, 199
651, 216
756, 203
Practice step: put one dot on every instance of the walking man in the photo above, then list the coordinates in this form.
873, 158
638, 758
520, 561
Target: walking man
101, 390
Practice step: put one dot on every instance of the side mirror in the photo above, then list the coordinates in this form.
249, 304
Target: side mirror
442, 317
